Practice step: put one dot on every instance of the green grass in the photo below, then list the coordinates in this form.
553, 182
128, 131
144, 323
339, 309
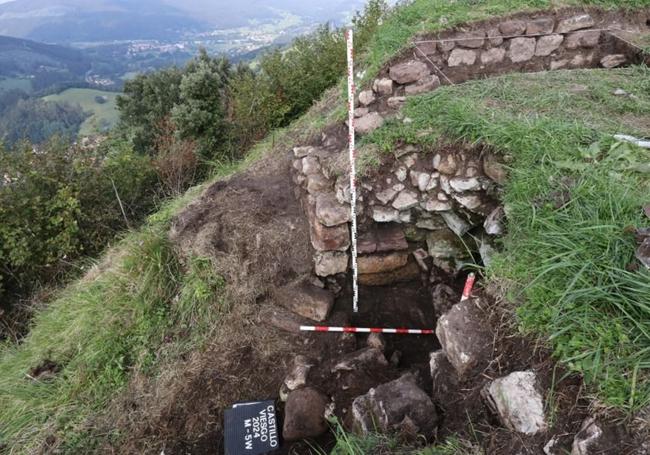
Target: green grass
16, 83
427, 16
567, 267
103, 116
379, 444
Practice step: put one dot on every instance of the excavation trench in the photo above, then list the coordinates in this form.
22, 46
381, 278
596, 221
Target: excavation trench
443, 201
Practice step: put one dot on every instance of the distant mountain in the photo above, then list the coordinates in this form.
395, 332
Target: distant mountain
74, 21
20, 57
66, 21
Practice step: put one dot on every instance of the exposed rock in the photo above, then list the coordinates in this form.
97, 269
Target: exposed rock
404, 274
442, 374
411, 71
444, 244
405, 200
575, 23
581, 60
521, 49
469, 201
297, 376
446, 45
559, 64
614, 60
460, 57
540, 26
426, 84
306, 300
317, 183
494, 37
585, 38
444, 184
588, 437
459, 226
395, 358
304, 414
427, 48
460, 184
546, 45
383, 86
431, 224
396, 102
486, 250
420, 256
360, 112
387, 195
297, 165
511, 28
394, 405
472, 40
494, 55
379, 264
406, 216
329, 212
385, 214
368, 123
310, 165
367, 242
342, 188
283, 319
366, 97
401, 173
550, 447
362, 359
376, 341
330, 263
517, 402
443, 298
494, 169
420, 180
494, 222
325, 238
643, 253
434, 205
462, 335
445, 164
390, 238
301, 152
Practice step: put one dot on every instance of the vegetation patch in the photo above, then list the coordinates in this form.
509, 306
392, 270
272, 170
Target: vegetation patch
100, 104
573, 194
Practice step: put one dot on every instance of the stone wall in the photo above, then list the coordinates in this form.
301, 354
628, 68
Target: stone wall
444, 203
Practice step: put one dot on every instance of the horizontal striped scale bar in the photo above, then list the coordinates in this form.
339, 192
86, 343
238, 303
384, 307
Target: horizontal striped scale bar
320, 328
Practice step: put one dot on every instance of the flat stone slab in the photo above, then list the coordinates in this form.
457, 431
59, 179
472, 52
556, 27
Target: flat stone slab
304, 414
306, 300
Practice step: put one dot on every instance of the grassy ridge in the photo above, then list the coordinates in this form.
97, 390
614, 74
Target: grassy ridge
573, 193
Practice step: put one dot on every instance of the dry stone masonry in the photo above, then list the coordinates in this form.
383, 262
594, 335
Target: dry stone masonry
425, 211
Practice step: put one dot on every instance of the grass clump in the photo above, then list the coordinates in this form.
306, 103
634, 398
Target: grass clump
573, 194
116, 321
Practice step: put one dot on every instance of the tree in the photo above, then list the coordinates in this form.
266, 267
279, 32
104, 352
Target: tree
200, 113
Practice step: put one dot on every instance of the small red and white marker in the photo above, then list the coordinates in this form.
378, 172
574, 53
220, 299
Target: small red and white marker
469, 285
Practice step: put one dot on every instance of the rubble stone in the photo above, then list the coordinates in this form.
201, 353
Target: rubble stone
297, 376
472, 40
330, 263
381, 263
512, 28
546, 45
304, 414
406, 200
585, 38
540, 26
494, 55
394, 406
575, 23
460, 57
368, 123
383, 86
462, 335
366, 97
612, 61
517, 402
426, 84
306, 300
444, 244
385, 214
329, 212
521, 49
411, 71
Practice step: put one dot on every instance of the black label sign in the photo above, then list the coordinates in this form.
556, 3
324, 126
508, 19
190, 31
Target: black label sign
251, 428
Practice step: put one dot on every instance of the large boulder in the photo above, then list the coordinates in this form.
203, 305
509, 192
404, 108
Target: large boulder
464, 338
522, 49
394, 406
306, 300
411, 71
517, 402
460, 57
304, 414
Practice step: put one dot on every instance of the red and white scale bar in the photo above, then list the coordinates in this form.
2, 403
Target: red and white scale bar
467, 291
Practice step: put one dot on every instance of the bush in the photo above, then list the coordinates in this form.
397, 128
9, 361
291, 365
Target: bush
58, 203
176, 161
